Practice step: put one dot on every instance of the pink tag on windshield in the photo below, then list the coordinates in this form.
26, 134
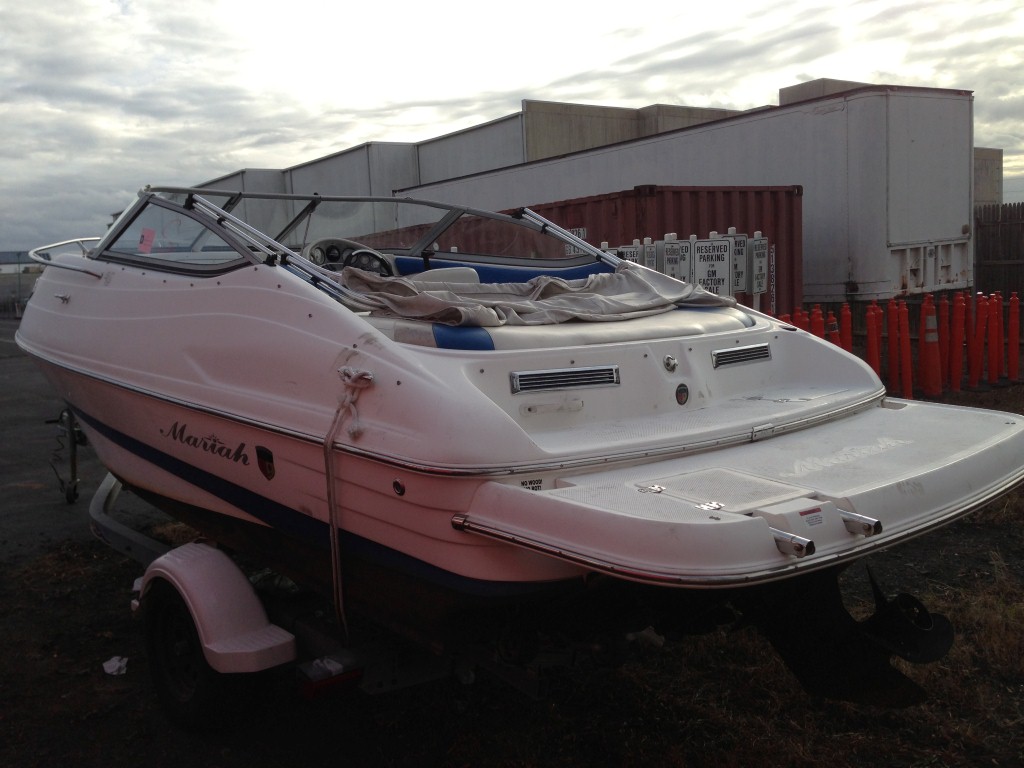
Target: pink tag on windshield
146, 241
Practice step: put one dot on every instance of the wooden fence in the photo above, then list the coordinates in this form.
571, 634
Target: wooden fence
999, 248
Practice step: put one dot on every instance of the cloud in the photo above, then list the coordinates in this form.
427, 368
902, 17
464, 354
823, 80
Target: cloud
99, 97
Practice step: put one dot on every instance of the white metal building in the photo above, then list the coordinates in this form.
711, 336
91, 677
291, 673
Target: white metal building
887, 172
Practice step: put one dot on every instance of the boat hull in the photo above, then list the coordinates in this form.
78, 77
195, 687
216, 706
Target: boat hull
186, 457
714, 519
693, 444
700, 521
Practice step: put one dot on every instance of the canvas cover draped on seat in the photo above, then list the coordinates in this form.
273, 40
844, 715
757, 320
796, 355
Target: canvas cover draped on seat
629, 292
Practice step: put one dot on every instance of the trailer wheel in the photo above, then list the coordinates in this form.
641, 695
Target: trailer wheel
190, 691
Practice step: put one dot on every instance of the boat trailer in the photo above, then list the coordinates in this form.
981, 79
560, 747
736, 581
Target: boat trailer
830, 653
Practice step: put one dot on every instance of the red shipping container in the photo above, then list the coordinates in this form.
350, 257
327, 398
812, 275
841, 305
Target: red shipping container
652, 211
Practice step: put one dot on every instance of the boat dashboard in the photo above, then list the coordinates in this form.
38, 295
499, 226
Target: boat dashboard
336, 253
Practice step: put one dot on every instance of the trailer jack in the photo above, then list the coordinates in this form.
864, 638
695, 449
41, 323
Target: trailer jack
69, 436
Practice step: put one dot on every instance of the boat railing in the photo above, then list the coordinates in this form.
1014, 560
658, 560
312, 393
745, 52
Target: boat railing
43, 254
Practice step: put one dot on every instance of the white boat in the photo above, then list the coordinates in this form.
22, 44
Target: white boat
480, 404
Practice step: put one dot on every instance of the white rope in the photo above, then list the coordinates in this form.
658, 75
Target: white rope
354, 382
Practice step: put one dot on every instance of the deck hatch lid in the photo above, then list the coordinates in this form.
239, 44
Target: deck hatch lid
564, 378
734, 355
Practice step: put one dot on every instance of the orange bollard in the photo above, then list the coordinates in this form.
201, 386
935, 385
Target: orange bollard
1013, 340
975, 349
800, 318
956, 342
944, 339
832, 329
927, 299
1001, 316
879, 322
907, 377
871, 340
994, 342
931, 372
893, 321
968, 319
971, 308
927, 307
846, 328
818, 322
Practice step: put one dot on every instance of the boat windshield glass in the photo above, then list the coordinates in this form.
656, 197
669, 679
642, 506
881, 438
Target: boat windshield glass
404, 227
158, 234
319, 227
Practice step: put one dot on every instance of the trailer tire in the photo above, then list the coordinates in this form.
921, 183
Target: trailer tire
191, 692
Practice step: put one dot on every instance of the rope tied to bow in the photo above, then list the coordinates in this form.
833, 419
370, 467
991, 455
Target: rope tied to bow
354, 381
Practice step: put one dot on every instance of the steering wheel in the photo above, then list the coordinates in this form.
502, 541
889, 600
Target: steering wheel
336, 253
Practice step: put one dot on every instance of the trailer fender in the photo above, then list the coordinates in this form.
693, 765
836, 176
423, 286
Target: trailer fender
232, 625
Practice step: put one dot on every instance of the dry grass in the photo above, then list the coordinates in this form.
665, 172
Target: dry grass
1004, 511
722, 698
988, 613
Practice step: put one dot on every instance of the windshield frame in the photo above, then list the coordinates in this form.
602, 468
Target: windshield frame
522, 217
255, 246
104, 250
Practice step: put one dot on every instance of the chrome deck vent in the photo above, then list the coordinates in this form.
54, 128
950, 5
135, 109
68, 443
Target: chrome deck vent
750, 354
564, 378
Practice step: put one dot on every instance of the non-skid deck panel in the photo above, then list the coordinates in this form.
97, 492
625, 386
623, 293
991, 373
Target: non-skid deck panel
734, 491
898, 464
688, 497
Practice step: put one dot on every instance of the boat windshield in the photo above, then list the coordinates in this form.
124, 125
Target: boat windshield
346, 246
163, 234
396, 226
410, 229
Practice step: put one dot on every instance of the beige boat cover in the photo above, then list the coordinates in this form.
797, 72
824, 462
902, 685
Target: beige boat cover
631, 291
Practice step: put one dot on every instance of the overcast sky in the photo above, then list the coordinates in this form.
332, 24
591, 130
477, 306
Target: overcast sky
100, 97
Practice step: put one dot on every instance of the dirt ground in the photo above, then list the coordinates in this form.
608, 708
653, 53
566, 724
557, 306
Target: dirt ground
721, 698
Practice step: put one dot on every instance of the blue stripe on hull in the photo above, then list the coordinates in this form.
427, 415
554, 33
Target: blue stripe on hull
275, 515
298, 525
